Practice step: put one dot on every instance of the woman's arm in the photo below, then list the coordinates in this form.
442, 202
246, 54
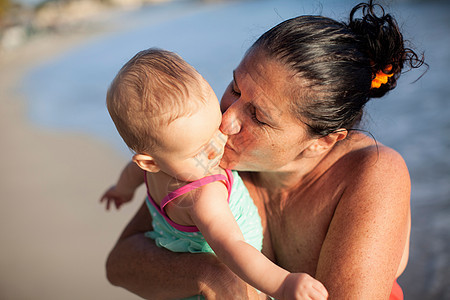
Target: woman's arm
138, 265
366, 240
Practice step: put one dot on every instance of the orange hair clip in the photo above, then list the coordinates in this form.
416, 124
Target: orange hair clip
381, 77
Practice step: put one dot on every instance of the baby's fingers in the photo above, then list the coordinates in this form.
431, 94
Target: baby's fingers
319, 292
108, 200
118, 203
104, 198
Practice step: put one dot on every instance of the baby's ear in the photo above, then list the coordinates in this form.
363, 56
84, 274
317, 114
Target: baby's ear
146, 162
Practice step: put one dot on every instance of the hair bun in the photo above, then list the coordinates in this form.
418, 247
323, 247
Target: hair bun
383, 42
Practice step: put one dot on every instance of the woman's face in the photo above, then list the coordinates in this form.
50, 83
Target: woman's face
263, 133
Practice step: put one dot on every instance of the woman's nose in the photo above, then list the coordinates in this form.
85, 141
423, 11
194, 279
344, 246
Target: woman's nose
230, 122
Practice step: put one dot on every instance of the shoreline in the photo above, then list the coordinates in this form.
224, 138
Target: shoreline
55, 234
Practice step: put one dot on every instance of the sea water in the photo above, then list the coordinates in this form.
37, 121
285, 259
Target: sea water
68, 93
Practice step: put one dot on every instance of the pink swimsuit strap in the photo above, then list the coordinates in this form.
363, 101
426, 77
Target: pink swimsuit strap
228, 181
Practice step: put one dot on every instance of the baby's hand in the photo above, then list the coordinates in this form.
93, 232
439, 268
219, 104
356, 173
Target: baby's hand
302, 286
118, 197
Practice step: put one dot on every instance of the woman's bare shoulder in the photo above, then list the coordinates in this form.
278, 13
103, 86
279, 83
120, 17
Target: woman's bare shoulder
371, 171
368, 234
364, 154
374, 171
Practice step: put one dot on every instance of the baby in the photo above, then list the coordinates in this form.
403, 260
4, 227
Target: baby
169, 116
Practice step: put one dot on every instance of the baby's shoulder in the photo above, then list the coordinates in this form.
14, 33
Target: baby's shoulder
213, 188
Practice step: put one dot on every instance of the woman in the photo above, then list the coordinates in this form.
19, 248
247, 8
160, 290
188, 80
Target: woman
333, 202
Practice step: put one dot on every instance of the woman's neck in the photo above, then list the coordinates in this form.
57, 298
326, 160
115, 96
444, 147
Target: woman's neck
301, 172
291, 176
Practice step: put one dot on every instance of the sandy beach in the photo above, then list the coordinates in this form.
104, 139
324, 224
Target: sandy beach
55, 236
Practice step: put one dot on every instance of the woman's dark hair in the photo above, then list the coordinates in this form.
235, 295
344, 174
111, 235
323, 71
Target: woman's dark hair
336, 63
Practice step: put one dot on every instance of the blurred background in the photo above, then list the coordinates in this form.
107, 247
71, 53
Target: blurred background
60, 150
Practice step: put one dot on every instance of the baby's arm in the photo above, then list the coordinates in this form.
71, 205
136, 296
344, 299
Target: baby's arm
130, 179
213, 217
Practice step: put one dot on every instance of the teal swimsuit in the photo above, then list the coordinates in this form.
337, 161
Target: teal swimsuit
178, 238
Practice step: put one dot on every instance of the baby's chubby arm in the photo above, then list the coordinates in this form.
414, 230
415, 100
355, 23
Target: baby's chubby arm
130, 179
211, 214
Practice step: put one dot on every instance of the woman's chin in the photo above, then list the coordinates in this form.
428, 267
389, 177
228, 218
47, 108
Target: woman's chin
224, 165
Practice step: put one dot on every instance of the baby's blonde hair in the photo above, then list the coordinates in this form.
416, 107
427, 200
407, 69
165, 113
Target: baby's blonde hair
150, 91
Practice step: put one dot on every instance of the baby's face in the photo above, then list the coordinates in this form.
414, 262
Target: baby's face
193, 145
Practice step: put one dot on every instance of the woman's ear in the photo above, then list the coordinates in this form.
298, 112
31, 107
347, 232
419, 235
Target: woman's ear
324, 143
146, 162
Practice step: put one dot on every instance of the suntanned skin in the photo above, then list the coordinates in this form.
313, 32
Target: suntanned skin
337, 207
338, 210
366, 240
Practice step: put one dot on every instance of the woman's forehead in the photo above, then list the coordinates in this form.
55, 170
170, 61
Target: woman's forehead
268, 73
265, 82
263, 97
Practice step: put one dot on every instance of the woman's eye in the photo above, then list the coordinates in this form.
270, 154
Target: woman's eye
255, 119
233, 92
